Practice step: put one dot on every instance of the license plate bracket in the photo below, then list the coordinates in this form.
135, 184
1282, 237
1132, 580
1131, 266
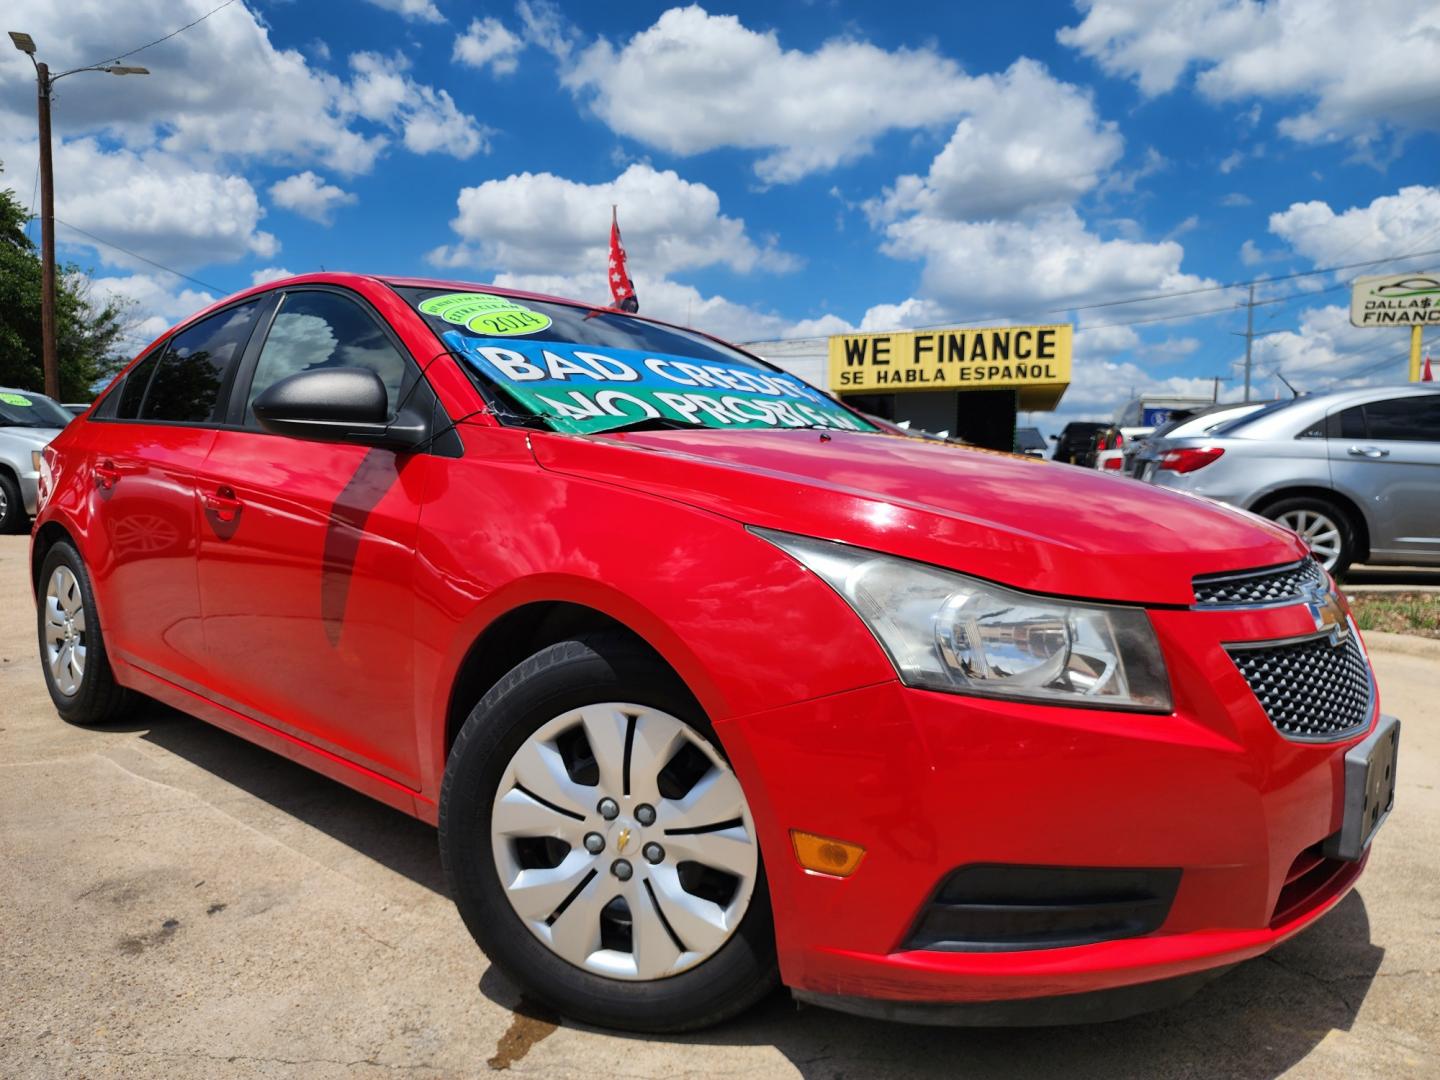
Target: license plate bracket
1369, 790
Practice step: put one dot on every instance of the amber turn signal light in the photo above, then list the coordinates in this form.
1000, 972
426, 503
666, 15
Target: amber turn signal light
822, 855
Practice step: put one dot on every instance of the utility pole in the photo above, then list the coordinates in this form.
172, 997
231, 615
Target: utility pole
50, 360
1249, 337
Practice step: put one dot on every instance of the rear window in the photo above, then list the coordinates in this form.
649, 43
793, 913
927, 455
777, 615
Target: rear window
584, 369
1239, 422
19, 408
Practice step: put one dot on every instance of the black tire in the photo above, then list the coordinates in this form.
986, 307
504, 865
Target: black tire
597, 668
99, 699
13, 518
1314, 504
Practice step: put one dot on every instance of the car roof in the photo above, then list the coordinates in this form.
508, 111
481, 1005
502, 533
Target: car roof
350, 278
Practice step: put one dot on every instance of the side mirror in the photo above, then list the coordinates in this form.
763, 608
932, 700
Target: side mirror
342, 404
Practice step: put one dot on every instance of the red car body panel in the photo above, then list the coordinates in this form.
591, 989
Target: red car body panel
321, 600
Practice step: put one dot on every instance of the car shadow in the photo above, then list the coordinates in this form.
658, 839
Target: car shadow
1257, 1021
1407, 576
1254, 1023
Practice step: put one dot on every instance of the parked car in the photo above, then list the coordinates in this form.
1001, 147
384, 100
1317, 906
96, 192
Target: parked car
27, 422
1030, 442
707, 682
1187, 423
1076, 443
1356, 473
1111, 443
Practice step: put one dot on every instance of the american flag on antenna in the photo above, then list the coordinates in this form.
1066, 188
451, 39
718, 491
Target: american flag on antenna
622, 289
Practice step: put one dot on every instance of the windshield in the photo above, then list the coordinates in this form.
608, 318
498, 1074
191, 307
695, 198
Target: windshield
24, 409
584, 369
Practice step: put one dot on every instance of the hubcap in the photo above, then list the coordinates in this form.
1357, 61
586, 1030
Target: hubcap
584, 882
65, 638
1319, 531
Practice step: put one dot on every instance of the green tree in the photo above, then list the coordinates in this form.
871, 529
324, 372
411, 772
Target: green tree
88, 335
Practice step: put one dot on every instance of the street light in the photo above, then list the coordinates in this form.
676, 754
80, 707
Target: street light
43, 81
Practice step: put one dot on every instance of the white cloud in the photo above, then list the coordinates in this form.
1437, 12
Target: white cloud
268, 274
1028, 141
488, 43
546, 27
1390, 225
537, 223
417, 10
1363, 68
428, 119
156, 302
1326, 352
223, 90
151, 202
1236, 198
1028, 269
309, 195
693, 82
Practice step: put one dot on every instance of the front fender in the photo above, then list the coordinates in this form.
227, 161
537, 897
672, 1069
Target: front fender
743, 624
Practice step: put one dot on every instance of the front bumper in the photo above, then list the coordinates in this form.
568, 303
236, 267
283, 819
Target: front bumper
929, 782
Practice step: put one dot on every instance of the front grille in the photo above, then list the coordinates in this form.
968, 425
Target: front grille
1000, 908
1310, 689
1273, 585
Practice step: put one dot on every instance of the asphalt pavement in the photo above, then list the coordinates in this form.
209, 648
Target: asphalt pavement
176, 902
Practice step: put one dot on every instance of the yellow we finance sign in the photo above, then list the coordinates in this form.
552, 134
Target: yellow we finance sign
1034, 360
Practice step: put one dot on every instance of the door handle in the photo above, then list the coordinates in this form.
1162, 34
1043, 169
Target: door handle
1368, 451
223, 504
106, 475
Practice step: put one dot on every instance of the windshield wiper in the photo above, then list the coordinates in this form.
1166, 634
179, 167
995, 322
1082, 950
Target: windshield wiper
651, 423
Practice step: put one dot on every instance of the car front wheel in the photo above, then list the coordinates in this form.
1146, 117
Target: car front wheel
600, 847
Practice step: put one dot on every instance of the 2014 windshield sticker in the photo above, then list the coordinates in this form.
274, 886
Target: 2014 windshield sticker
482, 313
584, 388
18, 400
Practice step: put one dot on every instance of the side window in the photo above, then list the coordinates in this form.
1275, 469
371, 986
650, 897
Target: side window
1411, 419
186, 387
1351, 424
131, 393
323, 330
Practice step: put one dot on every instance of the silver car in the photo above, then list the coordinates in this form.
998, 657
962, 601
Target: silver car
27, 422
1355, 472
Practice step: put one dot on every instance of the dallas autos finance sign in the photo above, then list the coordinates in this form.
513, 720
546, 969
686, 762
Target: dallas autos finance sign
1396, 300
585, 388
992, 357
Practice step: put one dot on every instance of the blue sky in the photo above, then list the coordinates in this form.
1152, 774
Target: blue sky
781, 170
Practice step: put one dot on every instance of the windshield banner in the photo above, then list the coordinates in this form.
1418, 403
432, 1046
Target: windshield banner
586, 388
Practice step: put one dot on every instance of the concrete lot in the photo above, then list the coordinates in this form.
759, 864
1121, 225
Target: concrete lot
176, 902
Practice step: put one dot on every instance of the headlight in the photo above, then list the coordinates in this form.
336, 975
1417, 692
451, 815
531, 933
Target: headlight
37, 461
946, 631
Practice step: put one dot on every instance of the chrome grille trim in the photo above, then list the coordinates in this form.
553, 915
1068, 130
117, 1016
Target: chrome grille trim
1269, 586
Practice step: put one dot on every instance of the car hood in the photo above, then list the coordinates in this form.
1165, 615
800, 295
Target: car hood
36, 437
1032, 524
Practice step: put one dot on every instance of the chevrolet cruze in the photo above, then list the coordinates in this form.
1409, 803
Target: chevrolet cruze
709, 683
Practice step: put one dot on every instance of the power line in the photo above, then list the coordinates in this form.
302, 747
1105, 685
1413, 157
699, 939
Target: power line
1010, 315
142, 258
1244, 284
167, 37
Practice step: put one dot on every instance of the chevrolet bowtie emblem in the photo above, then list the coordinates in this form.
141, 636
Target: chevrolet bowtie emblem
1329, 615
621, 840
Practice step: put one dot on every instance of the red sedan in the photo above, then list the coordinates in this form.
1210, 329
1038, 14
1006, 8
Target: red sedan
708, 682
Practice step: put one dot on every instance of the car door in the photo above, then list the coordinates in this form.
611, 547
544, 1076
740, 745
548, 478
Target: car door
1386, 456
152, 436
307, 550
